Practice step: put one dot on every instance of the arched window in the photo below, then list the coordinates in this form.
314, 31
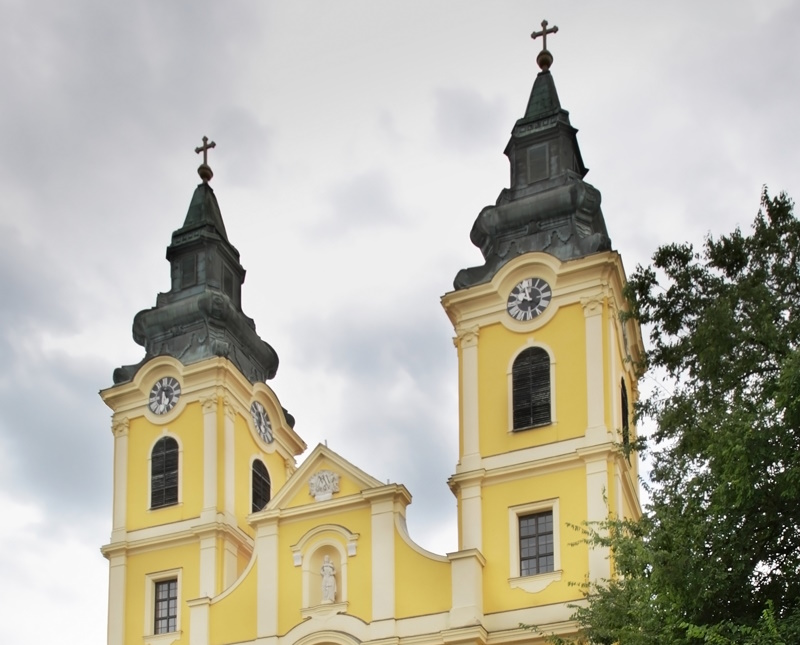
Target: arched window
623, 402
261, 486
164, 473
530, 379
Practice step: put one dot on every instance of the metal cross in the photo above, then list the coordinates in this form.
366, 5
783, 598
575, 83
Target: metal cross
205, 148
543, 33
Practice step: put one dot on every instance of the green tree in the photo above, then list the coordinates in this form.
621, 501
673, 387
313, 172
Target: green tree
716, 557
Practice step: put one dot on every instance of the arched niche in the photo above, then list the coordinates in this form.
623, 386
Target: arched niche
335, 543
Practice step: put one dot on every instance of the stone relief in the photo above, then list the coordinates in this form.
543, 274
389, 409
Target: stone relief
323, 484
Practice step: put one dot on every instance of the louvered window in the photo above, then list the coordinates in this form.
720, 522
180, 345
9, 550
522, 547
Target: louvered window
531, 388
623, 395
164, 473
261, 486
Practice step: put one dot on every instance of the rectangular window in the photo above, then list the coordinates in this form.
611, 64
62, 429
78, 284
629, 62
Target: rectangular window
166, 607
536, 552
537, 163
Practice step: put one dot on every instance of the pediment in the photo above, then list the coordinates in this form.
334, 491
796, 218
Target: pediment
324, 478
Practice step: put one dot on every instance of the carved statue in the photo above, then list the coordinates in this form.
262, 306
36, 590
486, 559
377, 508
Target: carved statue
328, 572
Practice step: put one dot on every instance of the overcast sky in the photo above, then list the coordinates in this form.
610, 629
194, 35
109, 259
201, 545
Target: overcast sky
356, 143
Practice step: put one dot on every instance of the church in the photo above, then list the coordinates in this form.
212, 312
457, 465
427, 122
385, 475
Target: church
220, 537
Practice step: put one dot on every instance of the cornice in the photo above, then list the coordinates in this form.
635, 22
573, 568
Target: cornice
178, 534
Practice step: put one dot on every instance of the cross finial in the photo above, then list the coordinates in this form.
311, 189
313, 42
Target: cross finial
545, 58
205, 170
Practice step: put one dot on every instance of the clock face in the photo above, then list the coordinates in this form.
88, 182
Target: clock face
164, 395
528, 299
261, 421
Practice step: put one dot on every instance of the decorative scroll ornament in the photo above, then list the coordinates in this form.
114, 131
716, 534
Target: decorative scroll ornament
323, 484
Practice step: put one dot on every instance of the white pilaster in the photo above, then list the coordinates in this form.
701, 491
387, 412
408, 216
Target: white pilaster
117, 568
266, 554
230, 481
209, 457
199, 621
230, 564
467, 580
468, 341
383, 579
120, 429
592, 311
597, 511
208, 564
471, 511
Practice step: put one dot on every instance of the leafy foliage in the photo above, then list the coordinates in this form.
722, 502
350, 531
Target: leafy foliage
716, 558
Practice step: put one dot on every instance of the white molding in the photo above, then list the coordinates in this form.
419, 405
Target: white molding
150, 580
534, 583
314, 534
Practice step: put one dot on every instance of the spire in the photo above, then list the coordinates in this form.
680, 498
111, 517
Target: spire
548, 207
201, 315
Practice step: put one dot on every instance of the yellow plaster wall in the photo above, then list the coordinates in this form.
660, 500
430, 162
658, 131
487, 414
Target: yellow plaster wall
422, 585
359, 567
569, 487
187, 429
565, 336
233, 617
185, 558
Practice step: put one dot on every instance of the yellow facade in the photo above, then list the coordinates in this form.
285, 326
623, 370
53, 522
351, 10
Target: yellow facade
328, 559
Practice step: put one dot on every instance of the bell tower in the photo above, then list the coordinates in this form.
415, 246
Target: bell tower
546, 376
200, 440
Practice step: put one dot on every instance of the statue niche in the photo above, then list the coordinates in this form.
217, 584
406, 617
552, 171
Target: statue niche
325, 569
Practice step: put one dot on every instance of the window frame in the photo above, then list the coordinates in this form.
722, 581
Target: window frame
178, 487
510, 377
536, 582
152, 580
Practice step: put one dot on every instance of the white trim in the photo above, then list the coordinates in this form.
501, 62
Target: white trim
597, 511
534, 583
595, 384
510, 380
150, 580
209, 407
117, 573
229, 466
470, 425
121, 430
165, 433
311, 576
383, 559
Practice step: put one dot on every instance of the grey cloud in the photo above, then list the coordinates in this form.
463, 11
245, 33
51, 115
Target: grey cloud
467, 122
